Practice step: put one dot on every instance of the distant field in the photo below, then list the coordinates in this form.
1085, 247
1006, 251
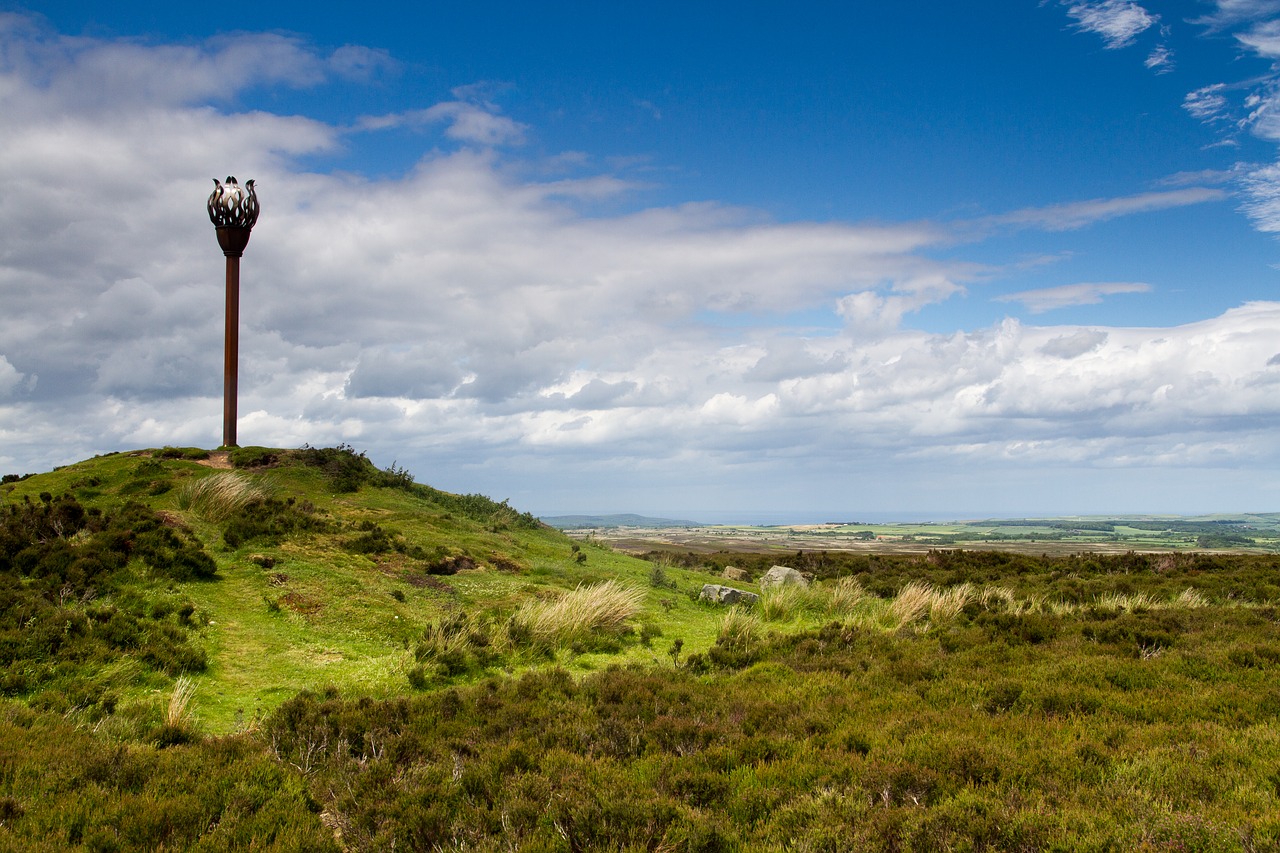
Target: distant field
1257, 533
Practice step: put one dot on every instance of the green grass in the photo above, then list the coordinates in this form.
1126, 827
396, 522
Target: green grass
303, 609
384, 663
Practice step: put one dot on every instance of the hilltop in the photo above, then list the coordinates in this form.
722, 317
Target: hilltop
326, 570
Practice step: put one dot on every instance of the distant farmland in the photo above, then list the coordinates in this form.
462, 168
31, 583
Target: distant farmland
1257, 533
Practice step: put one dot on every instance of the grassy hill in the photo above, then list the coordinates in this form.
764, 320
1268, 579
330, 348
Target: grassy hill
295, 650
328, 570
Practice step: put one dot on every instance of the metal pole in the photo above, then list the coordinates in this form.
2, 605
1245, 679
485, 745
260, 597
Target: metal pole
233, 210
231, 352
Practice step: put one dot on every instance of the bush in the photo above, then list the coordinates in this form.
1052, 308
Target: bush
269, 520
253, 457
55, 557
345, 469
190, 453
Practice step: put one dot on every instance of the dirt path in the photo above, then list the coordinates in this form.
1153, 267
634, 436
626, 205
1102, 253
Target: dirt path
218, 459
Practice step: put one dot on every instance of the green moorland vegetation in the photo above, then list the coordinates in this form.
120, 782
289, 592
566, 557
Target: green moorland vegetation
295, 650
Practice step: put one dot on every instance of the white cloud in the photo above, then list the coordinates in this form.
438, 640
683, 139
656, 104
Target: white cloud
472, 117
1263, 39
481, 124
1160, 60
1230, 12
477, 123
1068, 295
1207, 102
1072, 215
1074, 344
1119, 22
10, 378
1261, 188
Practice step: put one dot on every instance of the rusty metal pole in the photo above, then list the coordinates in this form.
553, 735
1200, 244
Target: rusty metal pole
231, 352
233, 210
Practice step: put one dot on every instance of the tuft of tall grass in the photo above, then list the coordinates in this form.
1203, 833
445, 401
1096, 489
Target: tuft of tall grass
1132, 603
995, 597
781, 603
947, 604
455, 634
603, 608
178, 712
739, 629
218, 496
177, 726
844, 595
919, 600
912, 603
1190, 599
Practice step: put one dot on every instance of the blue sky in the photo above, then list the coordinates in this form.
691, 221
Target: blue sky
738, 260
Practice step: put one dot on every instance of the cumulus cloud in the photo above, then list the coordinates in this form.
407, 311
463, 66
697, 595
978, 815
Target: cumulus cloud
476, 123
481, 124
1074, 344
1067, 295
10, 378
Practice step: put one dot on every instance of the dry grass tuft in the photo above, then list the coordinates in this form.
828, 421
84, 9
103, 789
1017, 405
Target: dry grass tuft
451, 636
913, 603
178, 714
1190, 599
995, 597
218, 496
605, 607
919, 600
1131, 603
947, 604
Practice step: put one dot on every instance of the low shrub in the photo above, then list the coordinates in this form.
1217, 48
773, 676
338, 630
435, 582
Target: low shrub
189, 453
269, 520
253, 457
70, 602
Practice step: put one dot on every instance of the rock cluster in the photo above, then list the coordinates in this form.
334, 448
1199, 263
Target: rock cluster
718, 594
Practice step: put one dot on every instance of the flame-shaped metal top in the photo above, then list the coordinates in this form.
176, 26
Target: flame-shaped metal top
233, 206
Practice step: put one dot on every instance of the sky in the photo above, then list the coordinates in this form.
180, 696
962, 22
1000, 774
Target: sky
748, 261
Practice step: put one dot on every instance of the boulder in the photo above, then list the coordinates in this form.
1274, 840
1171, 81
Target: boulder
782, 576
733, 573
717, 594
